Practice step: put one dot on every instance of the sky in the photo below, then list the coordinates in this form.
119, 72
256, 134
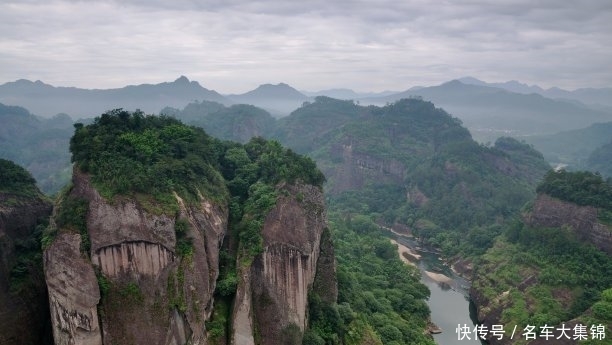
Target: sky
232, 46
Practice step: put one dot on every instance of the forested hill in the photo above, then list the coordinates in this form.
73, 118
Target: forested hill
551, 266
578, 149
192, 209
239, 122
129, 153
412, 163
407, 162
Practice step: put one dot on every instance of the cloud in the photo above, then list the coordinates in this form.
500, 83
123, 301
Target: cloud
233, 46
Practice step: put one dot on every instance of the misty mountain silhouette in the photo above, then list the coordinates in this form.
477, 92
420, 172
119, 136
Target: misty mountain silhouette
280, 99
590, 96
492, 111
47, 100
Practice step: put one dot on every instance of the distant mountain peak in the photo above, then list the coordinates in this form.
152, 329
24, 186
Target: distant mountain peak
47, 100
278, 86
182, 80
279, 90
472, 80
453, 83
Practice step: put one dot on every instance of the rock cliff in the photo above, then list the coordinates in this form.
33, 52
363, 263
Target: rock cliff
551, 212
272, 296
135, 285
496, 296
133, 255
357, 168
73, 292
24, 315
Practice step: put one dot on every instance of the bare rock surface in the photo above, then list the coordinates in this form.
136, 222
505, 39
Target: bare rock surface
153, 293
280, 278
551, 212
73, 292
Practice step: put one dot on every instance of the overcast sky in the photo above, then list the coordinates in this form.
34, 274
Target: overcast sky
233, 46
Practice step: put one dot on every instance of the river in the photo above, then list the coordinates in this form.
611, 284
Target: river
449, 302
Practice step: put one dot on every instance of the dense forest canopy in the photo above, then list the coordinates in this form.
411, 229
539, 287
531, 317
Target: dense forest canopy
378, 293
582, 188
407, 162
133, 153
412, 163
563, 275
16, 180
129, 153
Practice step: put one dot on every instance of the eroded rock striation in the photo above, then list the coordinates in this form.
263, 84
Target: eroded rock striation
272, 298
133, 286
134, 248
73, 292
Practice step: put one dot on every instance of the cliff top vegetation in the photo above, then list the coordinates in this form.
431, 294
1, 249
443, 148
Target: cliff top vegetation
582, 188
132, 153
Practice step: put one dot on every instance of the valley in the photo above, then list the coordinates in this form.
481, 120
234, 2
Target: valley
406, 164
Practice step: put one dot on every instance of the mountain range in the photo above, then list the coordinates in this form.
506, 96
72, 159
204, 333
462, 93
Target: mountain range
590, 96
488, 110
491, 112
47, 100
573, 149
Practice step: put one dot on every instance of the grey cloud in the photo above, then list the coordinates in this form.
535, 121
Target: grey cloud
236, 45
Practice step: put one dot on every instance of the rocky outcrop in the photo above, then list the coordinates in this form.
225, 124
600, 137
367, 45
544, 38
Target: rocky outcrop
73, 292
551, 212
24, 313
357, 168
139, 258
272, 296
152, 291
326, 281
546, 212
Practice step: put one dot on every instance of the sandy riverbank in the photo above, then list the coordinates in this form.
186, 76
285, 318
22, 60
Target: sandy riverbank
405, 253
438, 277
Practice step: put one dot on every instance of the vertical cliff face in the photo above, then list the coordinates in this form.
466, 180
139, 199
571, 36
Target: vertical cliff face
272, 296
23, 311
133, 251
73, 292
143, 280
551, 212
358, 168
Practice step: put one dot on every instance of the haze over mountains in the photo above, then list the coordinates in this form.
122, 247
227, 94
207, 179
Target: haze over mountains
488, 110
408, 164
46, 100
279, 100
590, 96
